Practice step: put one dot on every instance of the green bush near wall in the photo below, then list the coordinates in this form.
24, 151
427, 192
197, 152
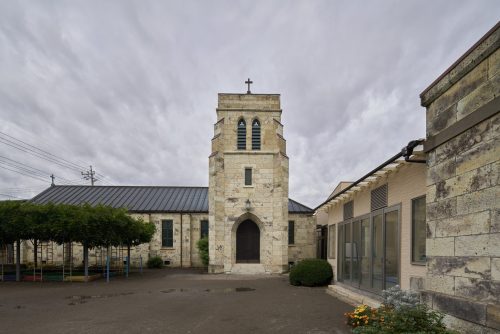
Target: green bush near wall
155, 262
311, 272
202, 245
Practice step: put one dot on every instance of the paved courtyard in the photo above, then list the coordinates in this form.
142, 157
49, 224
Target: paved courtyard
170, 301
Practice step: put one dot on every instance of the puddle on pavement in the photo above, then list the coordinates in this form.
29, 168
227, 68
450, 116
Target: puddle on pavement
215, 290
82, 299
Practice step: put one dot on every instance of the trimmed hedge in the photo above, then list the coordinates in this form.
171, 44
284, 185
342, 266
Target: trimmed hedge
155, 262
311, 272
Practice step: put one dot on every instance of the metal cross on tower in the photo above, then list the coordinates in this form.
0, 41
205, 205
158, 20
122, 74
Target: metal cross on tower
249, 82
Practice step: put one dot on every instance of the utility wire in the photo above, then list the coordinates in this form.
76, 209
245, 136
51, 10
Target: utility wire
43, 151
34, 177
11, 196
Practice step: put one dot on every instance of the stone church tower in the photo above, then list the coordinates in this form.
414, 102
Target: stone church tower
248, 186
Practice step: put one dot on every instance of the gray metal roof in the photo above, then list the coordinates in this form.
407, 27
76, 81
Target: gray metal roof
140, 198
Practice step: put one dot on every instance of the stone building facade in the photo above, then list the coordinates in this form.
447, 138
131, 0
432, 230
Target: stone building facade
248, 183
376, 230
463, 205
251, 224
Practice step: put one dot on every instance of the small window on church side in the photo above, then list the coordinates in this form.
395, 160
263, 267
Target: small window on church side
248, 176
291, 232
255, 134
167, 233
242, 135
203, 229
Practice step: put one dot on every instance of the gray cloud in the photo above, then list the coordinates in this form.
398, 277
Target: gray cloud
131, 86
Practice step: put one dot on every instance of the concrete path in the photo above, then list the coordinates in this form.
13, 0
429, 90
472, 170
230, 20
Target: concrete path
170, 301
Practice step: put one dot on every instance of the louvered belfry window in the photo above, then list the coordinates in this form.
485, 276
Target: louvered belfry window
379, 198
348, 210
255, 134
242, 135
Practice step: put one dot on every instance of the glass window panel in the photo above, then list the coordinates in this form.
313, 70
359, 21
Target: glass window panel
418, 230
291, 232
340, 273
248, 176
203, 229
356, 242
391, 249
365, 253
167, 235
378, 252
347, 252
333, 244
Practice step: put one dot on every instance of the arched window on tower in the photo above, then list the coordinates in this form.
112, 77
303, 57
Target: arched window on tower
255, 134
242, 135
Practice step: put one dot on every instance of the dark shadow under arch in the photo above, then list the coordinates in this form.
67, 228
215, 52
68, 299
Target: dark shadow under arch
248, 242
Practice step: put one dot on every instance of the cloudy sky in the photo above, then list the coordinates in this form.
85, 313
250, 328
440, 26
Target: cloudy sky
131, 86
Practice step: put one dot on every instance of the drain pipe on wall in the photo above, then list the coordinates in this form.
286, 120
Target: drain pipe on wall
181, 239
407, 151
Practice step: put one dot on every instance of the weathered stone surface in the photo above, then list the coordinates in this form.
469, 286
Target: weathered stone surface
442, 209
484, 94
442, 120
494, 64
493, 316
460, 308
473, 267
482, 154
495, 269
440, 283
460, 89
416, 283
495, 220
478, 245
442, 171
474, 223
466, 327
477, 289
477, 201
440, 247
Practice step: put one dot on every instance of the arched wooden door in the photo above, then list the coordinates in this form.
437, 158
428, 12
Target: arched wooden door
248, 242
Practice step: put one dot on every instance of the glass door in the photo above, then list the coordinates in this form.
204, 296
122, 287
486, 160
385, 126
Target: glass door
365, 254
378, 252
347, 252
356, 252
391, 270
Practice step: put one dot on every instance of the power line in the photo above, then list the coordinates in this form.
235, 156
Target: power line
48, 153
34, 177
28, 169
11, 196
45, 155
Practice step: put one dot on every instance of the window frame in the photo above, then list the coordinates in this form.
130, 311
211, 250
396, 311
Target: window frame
202, 221
245, 169
292, 232
241, 137
254, 135
332, 235
164, 240
412, 254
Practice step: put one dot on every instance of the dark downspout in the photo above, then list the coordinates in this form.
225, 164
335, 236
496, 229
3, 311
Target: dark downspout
18, 260
181, 239
149, 253
35, 251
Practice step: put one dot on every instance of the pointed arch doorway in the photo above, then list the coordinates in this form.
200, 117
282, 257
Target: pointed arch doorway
248, 242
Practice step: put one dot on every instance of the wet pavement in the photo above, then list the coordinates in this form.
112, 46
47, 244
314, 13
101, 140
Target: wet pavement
170, 301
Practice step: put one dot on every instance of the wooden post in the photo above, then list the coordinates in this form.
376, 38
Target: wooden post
18, 260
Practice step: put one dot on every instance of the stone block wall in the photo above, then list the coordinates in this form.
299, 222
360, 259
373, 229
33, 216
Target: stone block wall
463, 193
304, 246
268, 194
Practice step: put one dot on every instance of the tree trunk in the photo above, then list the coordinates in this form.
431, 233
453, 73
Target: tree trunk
35, 250
128, 259
18, 260
86, 261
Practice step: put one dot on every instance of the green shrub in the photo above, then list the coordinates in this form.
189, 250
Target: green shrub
202, 245
311, 272
155, 262
406, 319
